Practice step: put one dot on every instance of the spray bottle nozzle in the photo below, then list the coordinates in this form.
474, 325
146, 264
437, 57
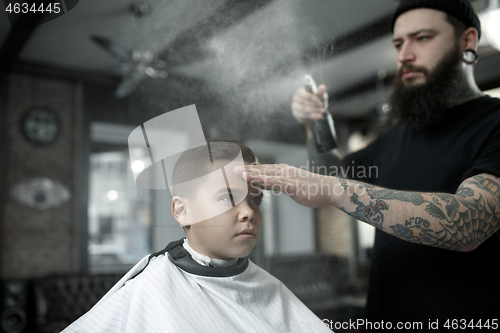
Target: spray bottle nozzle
310, 84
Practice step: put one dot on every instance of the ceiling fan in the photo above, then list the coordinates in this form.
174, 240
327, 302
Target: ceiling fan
134, 66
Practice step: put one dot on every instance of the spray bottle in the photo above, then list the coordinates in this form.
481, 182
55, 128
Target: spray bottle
323, 129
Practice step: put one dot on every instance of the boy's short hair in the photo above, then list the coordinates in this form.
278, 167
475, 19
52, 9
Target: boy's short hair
201, 161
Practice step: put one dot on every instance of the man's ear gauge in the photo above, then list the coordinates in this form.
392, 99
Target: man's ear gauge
470, 57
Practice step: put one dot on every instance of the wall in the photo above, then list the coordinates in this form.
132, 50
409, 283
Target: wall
334, 232
36, 243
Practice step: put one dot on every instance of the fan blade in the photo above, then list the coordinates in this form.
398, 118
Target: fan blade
129, 84
156, 73
112, 48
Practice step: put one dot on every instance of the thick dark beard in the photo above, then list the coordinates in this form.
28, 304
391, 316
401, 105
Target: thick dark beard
423, 105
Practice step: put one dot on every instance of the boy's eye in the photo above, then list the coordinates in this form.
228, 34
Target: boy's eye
225, 198
257, 200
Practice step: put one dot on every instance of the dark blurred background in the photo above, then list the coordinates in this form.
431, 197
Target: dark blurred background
73, 88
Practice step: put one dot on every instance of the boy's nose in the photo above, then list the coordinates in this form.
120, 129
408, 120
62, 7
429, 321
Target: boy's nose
246, 213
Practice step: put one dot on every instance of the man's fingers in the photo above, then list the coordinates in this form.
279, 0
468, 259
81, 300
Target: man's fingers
257, 172
306, 111
321, 89
266, 169
281, 172
265, 174
306, 105
308, 98
303, 110
308, 116
265, 182
304, 187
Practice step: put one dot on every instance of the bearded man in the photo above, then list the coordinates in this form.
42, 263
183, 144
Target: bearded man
435, 258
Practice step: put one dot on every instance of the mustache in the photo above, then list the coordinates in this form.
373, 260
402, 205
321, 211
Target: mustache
413, 68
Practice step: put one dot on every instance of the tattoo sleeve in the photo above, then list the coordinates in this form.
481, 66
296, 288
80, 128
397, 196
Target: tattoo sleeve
460, 221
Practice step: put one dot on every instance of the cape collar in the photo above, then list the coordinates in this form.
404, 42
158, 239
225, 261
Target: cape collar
182, 259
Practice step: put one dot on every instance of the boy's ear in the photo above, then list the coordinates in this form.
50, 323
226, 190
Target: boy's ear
179, 211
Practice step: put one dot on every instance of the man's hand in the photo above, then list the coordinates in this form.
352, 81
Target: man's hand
459, 222
306, 188
306, 105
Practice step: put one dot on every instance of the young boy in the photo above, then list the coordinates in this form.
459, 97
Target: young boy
205, 282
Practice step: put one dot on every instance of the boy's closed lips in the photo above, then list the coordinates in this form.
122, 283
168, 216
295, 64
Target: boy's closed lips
247, 234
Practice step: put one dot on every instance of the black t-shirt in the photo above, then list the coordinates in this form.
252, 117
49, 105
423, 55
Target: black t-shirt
413, 282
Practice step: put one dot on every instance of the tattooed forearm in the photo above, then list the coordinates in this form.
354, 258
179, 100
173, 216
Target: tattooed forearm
371, 213
415, 230
488, 184
460, 221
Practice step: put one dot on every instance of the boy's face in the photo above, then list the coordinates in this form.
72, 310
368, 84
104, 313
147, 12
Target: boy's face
231, 234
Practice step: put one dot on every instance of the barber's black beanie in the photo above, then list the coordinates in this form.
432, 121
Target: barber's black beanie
460, 9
